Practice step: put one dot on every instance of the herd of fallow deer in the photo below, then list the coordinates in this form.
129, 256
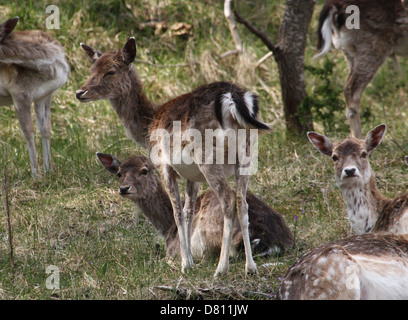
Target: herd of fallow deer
372, 264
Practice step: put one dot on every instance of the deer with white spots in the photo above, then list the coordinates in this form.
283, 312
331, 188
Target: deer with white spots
32, 68
382, 31
361, 267
372, 264
220, 106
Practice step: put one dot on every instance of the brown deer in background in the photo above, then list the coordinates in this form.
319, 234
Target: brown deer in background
368, 210
32, 69
383, 26
139, 183
221, 107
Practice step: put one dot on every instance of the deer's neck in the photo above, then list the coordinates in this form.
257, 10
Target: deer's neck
157, 208
134, 109
364, 204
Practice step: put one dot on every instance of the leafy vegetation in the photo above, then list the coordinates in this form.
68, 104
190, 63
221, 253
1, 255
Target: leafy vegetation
104, 248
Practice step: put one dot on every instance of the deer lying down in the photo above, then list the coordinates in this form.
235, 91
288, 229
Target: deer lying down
368, 210
382, 31
139, 183
32, 69
369, 266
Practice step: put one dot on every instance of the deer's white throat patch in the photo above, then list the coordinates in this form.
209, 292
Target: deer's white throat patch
361, 212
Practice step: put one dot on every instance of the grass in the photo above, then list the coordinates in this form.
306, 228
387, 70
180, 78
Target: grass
104, 248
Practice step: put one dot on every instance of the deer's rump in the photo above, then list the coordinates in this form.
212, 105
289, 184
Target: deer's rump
223, 99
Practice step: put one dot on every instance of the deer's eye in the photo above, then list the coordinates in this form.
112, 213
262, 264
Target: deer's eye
144, 171
364, 154
109, 73
335, 158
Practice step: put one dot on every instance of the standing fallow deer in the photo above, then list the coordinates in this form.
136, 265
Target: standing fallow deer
139, 183
221, 107
32, 68
368, 210
382, 31
361, 267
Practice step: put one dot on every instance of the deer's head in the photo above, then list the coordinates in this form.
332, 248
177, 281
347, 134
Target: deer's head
136, 174
350, 156
110, 73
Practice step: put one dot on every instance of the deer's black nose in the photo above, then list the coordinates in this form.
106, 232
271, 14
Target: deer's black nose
79, 93
350, 171
123, 190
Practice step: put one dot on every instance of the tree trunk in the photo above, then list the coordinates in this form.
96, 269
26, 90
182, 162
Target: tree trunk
289, 55
290, 60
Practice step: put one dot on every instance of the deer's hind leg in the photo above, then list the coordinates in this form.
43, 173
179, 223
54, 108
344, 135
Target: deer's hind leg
363, 68
23, 109
43, 119
189, 208
171, 186
242, 213
215, 177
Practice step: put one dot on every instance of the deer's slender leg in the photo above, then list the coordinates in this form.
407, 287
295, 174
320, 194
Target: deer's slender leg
43, 119
189, 208
215, 177
242, 213
242, 172
362, 70
171, 186
23, 109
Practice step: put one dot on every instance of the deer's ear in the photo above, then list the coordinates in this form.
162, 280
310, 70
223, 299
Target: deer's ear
321, 143
7, 27
92, 53
110, 163
129, 51
374, 137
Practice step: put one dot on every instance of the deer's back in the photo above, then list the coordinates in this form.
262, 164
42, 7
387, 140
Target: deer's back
374, 15
327, 271
33, 63
30, 45
382, 23
394, 216
192, 109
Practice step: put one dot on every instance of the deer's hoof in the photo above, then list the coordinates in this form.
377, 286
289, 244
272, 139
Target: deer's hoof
187, 264
251, 269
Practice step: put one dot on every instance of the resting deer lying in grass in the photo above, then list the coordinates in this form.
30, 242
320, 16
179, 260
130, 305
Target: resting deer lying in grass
140, 184
368, 266
382, 32
368, 210
218, 106
32, 69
